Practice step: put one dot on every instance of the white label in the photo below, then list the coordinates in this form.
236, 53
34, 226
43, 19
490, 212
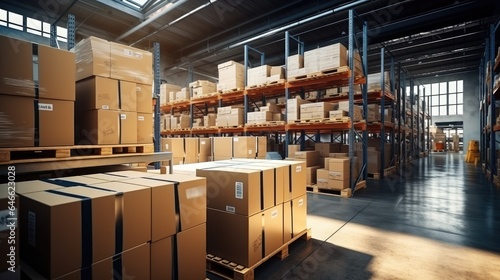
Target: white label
128, 52
274, 214
45, 107
4, 215
301, 202
250, 152
235, 139
140, 118
298, 168
31, 228
231, 209
138, 55
123, 116
238, 190
166, 147
202, 142
105, 107
195, 192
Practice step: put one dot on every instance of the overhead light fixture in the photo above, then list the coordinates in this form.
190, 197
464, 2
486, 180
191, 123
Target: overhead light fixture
343, 32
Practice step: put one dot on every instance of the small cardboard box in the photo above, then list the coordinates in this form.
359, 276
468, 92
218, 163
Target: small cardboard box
97, 93
131, 64
223, 147
244, 147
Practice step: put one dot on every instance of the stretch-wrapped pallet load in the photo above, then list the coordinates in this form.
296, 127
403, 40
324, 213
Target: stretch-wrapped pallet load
36, 96
374, 81
231, 76
113, 93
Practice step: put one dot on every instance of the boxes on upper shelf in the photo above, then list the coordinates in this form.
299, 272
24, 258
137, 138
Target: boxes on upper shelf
325, 58
293, 108
202, 87
259, 117
231, 76
209, 120
317, 110
167, 93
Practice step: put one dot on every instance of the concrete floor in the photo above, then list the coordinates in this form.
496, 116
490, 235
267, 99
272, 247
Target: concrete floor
437, 219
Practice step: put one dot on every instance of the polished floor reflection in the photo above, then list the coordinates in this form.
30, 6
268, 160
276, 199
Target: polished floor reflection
439, 218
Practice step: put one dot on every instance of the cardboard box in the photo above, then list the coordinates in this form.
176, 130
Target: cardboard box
295, 178
231, 75
92, 56
128, 127
167, 93
162, 259
174, 145
312, 158
55, 82
97, 93
292, 149
273, 229
338, 184
293, 108
299, 214
144, 128
205, 147
209, 120
262, 146
335, 114
98, 127
233, 190
311, 175
55, 250
269, 191
144, 98
259, 117
223, 147
244, 147
131, 64
235, 237
325, 149
128, 96
287, 221
258, 75
192, 148
169, 190
19, 123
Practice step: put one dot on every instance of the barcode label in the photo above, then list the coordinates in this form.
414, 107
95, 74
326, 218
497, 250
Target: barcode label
4, 215
298, 168
274, 214
105, 107
301, 202
238, 190
45, 107
231, 209
31, 228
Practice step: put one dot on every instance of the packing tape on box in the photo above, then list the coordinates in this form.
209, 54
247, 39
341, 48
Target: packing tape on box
86, 219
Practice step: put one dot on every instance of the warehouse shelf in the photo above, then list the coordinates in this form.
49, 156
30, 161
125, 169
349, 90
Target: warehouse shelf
335, 79
339, 127
176, 132
269, 90
212, 98
266, 128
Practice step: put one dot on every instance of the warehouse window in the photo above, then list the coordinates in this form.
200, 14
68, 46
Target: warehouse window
15, 21
446, 98
3, 17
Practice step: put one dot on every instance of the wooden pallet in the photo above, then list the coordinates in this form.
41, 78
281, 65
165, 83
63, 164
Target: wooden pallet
267, 84
233, 126
309, 121
204, 96
230, 270
9, 154
266, 124
347, 192
339, 120
229, 91
320, 73
180, 129
178, 101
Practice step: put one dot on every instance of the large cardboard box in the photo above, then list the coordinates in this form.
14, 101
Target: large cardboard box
191, 146
339, 168
174, 145
169, 190
268, 189
273, 229
128, 96
98, 127
261, 146
244, 147
131, 64
144, 128
231, 76
92, 58
299, 214
144, 98
234, 237
128, 127
17, 70
312, 158
223, 147
292, 149
205, 147
325, 149
19, 123
295, 178
88, 234
293, 108
233, 190
97, 93
258, 75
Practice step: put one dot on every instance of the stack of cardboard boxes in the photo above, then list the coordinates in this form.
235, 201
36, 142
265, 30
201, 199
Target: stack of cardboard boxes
267, 113
167, 93
472, 151
182, 95
293, 108
325, 58
231, 76
145, 237
357, 114
201, 88
264, 74
230, 116
113, 93
37, 97
209, 120
373, 114
295, 66
317, 110
374, 82
258, 206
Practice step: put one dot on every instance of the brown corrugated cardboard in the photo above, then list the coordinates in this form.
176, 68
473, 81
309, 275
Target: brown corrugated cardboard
244, 147
267, 183
174, 145
97, 93
128, 96
135, 211
16, 70
339, 164
128, 127
54, 250
205, 147
98, 127
312, 158
18, 128
261, 146
192, 149
235, 237
209, 120
144, 128
292, 149
273, 229
296, 178
106, 177
299, 214
293, 108
311, 175
162, 259
233, 190
92, 58
191, 253
134, 264
325, 149
223, 147
131, 64
144, 98
287, 221
338, 184
56, 82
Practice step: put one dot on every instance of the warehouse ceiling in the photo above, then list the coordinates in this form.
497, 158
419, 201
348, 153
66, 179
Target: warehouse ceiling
428, 38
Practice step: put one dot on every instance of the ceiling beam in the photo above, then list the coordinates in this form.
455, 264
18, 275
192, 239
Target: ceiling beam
119, 7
